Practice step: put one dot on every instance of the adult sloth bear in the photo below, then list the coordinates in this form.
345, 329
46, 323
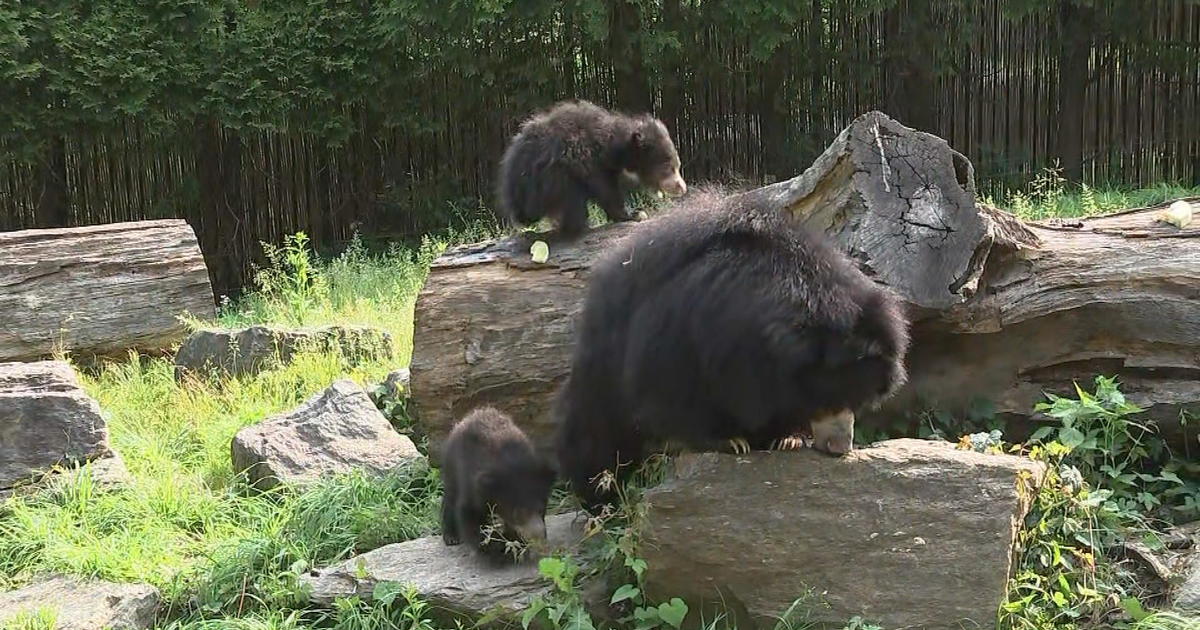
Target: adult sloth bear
577, 151
723, 322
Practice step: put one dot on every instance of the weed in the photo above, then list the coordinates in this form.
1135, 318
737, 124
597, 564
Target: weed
1049, 195
1114, 450
1107, 476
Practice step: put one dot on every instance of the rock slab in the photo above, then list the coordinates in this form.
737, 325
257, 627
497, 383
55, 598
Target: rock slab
907, 534
248, 351
455, 579
46, 420
83, 605
1186, 596
334, 432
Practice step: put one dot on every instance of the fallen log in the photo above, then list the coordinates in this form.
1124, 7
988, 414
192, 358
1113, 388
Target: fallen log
100, 290
1003, 310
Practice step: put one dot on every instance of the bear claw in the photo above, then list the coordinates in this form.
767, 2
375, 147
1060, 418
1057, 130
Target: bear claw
740, 446
790, 443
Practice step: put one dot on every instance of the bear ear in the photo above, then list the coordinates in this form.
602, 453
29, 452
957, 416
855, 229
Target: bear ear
636, 138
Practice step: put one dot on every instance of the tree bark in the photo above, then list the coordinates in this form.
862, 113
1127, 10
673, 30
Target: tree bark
99, 290
53, 204
1076, 26
633, 90
773, 124
910, 38
1002, 310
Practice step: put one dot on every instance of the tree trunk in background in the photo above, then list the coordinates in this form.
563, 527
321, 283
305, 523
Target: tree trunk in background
772, 116
1075, 27
53, 203
218, 168
624, 30
910, 39
671, 86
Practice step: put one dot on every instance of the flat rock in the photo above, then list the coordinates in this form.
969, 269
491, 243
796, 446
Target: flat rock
334, 432
456, 579
1186, 596
83, 605
248, 351
46, 420
907, 534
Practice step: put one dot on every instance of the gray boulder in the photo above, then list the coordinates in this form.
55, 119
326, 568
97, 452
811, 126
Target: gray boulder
454, 579
906, 534
255, 349
396, 384
1186, 595
82, 605
334, 432
46, 420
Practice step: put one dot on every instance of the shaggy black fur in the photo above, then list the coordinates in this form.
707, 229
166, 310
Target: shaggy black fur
720, 320
488, 462
575, 152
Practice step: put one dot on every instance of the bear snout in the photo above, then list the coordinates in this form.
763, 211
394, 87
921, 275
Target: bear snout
834, 433
674, 185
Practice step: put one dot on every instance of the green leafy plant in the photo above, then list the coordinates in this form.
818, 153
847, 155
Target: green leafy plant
1109, 476
292, 278
564, 607
1058, 580
1115, 450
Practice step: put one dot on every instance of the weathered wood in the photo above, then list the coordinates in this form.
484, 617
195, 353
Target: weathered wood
1002, 310
100, 290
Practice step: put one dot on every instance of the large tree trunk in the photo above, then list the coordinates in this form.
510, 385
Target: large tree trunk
1076, 25
99, 290
1002, 310
624, 31
53, 203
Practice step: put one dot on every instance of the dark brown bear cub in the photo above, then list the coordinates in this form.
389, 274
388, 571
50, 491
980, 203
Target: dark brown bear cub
489, 463
575, 152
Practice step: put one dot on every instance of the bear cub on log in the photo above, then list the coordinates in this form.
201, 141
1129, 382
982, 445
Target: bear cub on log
577, 151
722, 322
489, 463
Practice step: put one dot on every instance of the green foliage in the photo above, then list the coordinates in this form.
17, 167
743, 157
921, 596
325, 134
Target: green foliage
1113, 450
1058, 582
1107, 477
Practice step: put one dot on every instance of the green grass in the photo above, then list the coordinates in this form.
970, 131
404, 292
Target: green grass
1049, 196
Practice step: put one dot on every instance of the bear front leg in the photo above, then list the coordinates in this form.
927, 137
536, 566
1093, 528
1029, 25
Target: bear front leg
450, 531
469, 519
573, 216
611, 201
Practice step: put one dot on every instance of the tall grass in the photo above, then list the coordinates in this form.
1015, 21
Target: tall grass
1049, 196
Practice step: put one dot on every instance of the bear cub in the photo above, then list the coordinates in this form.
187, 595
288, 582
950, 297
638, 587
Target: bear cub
488, 463
577, 151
